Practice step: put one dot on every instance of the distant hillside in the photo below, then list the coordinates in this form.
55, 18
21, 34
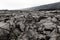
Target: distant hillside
53, 6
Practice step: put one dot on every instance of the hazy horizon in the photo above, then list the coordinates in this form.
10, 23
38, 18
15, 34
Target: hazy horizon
22, 4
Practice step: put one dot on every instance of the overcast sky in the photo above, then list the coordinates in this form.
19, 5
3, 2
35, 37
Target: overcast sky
20, 4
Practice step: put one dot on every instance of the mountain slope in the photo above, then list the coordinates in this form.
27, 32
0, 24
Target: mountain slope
53, 6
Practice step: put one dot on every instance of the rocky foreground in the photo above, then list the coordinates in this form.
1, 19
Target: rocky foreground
30, 25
